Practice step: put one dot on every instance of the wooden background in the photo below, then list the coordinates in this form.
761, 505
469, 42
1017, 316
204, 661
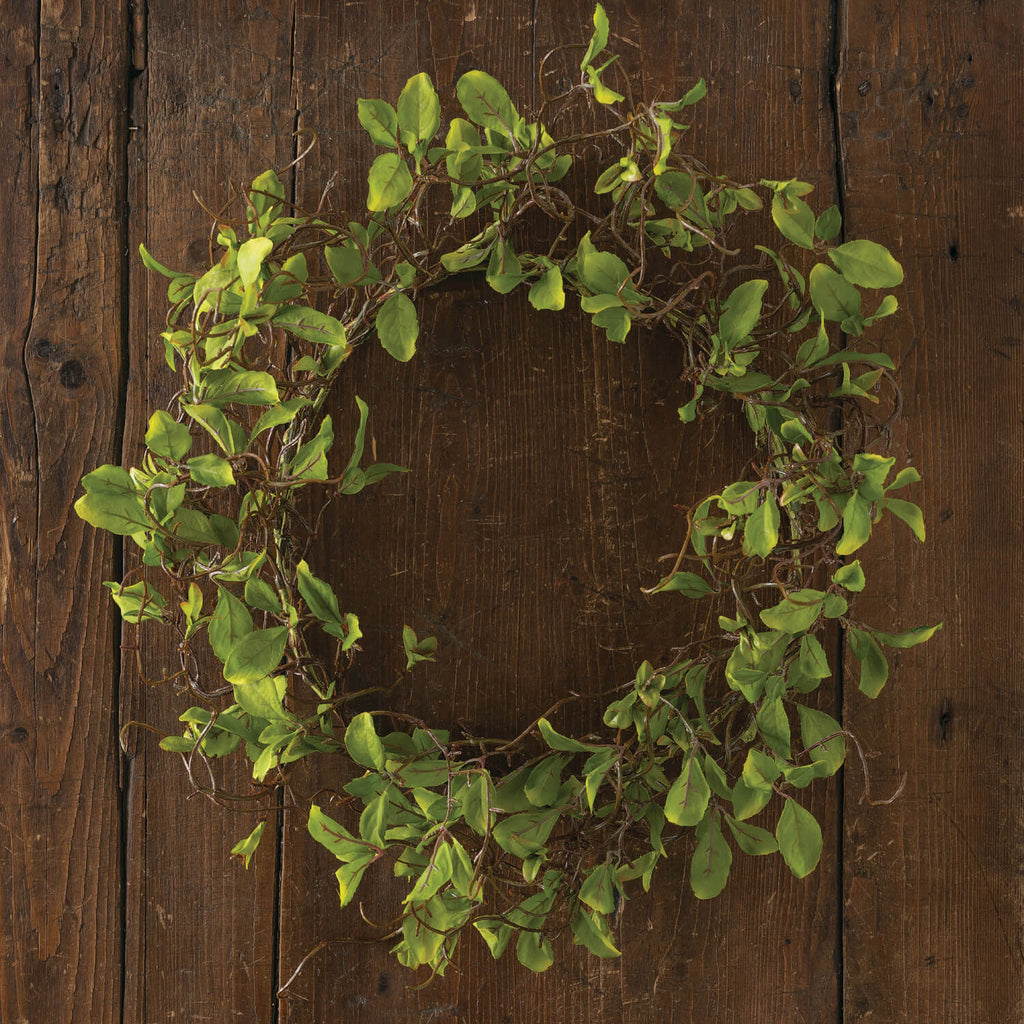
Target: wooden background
546, 464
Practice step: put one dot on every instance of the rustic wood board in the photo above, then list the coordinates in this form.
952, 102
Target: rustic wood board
62, 219
211, 105
546, 466
929, 108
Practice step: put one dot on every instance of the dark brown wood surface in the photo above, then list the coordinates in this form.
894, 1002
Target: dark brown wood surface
546, 467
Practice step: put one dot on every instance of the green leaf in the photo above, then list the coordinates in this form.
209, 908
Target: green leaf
260, 594
349, 265
680, 192
851, 577
874, 669
602, 272
814, 727
545, 781
599, 888
832, 295
137, 602
229, 624
211, 471
438, 872
398, 327
263, 698
486, 103
686, 583
242, 387
245, 848
872, 470
419, 112
591, 931
603, 93
279, 415
533, 950
750, 839
905, 476
795, 613
740, 498
496, 935
599, 40
911, 638
504, 270
251, 255
255, 655
476, 807
741, 311
151, 264
556, 741
524, 834
828, 224
868, 264
547, 292
712, 858
310, 325
761, 530
310, 461
799, 837
389, 183
759, 770
416, 649
333, 836
794, 219
359, 440
597, 769
886, 307
318, 595
773, 725
814, 350
362, 742
216, 424
687, 800
615, 321
267, 197
812, 660
856, 525
165, 436
380, 121
111, 503
349, 876
747, 801
909, 513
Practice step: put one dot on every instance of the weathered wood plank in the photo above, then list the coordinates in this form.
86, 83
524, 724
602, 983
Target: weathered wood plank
930, 97
545, 466
212, 105
62, 77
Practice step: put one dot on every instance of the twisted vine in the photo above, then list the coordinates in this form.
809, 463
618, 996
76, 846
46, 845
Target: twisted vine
704, 741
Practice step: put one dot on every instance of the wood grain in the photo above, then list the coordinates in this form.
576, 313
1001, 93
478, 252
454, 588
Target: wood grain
211, 106
60, 857
546, 467
929, 104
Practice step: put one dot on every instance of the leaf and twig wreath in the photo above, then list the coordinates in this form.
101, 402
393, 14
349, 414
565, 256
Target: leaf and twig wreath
705, 741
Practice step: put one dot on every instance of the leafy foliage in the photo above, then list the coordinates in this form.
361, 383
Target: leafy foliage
721, 732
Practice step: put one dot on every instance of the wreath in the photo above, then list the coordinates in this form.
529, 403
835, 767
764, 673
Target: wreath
541, 834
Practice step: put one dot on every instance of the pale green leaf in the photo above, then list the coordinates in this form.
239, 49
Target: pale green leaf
799, 838
868, 264
389, 183
362, 742
398, 327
